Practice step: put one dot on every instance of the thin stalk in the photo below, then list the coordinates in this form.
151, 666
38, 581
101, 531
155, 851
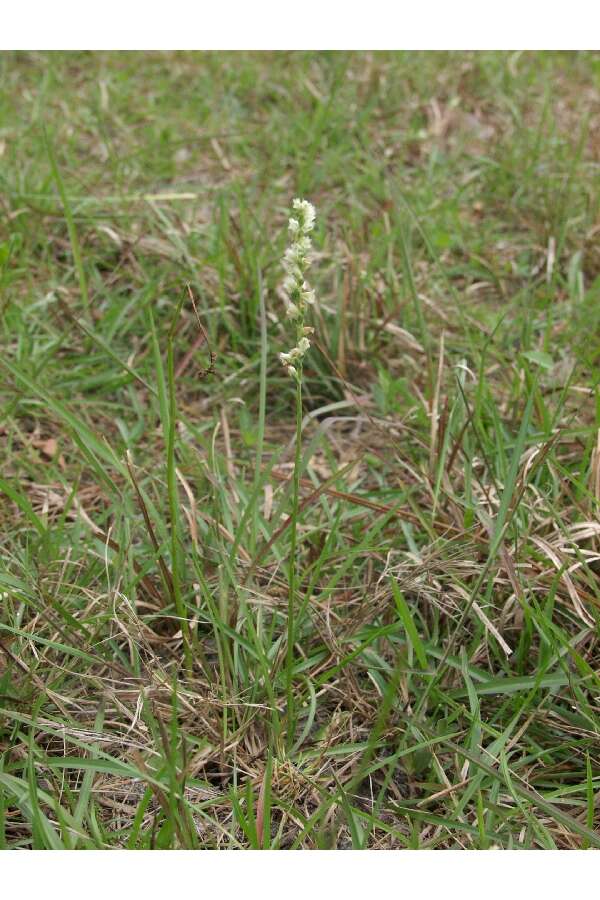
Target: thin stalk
293, 585
174, 511
262, 406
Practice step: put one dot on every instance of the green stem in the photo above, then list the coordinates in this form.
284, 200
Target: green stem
262, 406
293, 581
174, 512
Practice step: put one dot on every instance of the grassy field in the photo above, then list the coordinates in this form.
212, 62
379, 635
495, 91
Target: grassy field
444, 669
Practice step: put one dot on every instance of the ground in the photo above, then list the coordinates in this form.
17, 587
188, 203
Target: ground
445, 655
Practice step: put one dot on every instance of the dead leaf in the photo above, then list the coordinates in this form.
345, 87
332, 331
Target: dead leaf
49, 448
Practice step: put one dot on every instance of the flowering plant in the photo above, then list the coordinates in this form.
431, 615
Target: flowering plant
299, 296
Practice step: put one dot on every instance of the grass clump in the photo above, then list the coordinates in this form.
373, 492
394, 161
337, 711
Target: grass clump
354, 608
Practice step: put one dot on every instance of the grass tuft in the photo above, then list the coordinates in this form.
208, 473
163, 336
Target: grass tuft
433, 680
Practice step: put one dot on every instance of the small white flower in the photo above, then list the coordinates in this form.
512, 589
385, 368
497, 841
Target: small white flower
294, 226
306, 214
293, 270
303, 245
289, 284
296, 257
291, 371
292, 311
303, 345
307, 295
285, 358
290, 257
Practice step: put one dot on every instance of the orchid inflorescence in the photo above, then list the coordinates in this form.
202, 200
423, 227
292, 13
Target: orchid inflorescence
300, 295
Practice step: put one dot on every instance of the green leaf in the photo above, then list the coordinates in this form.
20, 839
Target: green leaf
539, 358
